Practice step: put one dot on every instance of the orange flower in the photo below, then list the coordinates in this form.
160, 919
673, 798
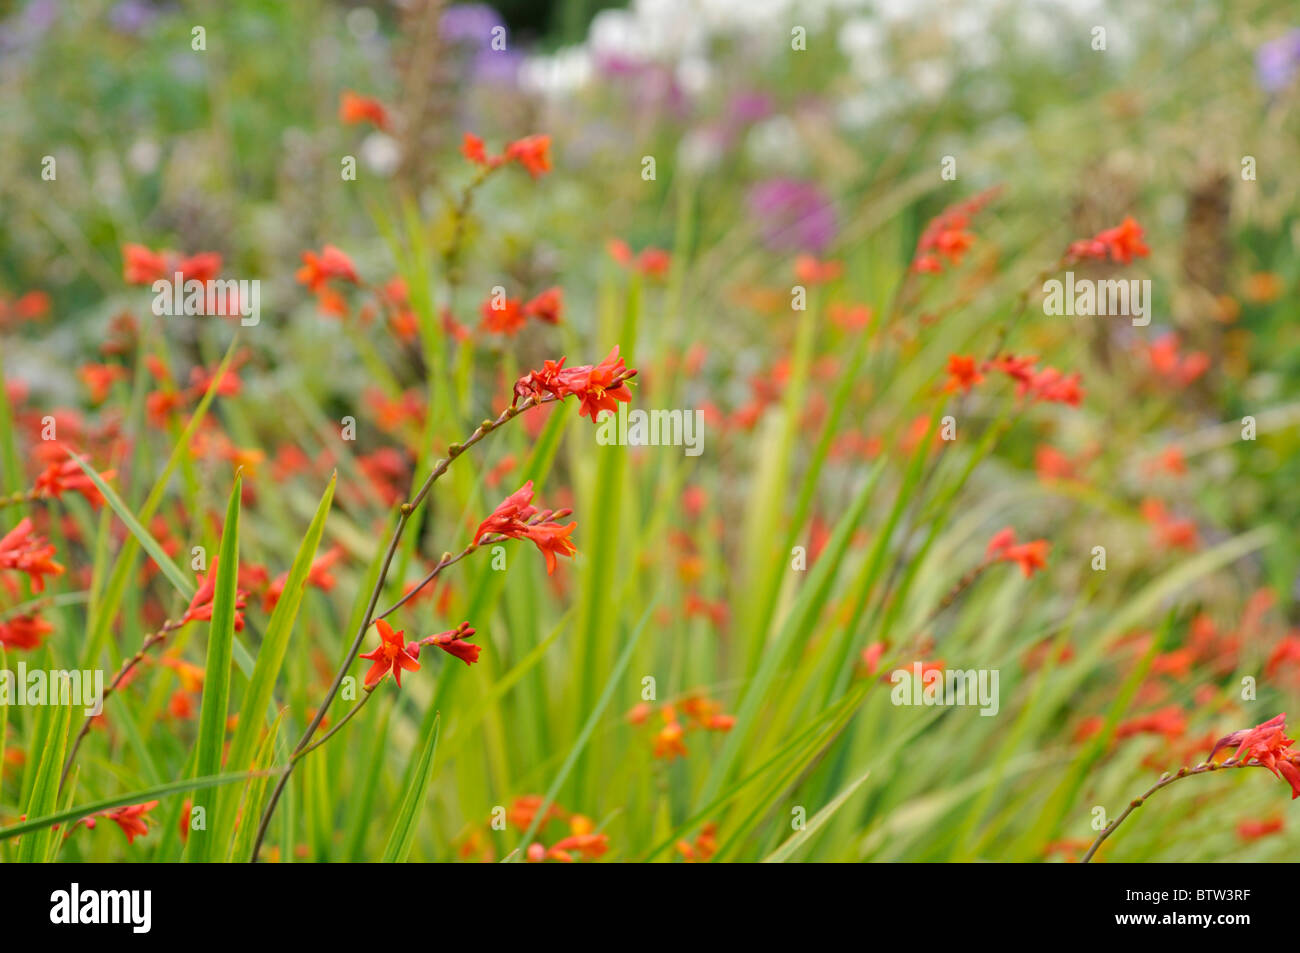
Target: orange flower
318, 575
533, 153
552, 540
392, 654
131, 819
511, 518
472, 149
1122, 243
597, 389
505, 316
141, 266
651, 262
453, 643
963, 374
946, 237
1268, 744
510, 514
329, 264
99, 379
589, 845
1030, 556
59, 478
24, 632
1249, 830
1170, 532
546, 306
668, 741
704, 847
525, 808
809, 271
1164, 358
354, 108
1170, 722
24, 551
200, 607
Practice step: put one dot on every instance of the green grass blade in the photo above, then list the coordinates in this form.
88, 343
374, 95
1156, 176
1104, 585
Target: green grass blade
408, 815
216, 682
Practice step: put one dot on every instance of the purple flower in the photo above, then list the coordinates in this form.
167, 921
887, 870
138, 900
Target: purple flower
793, 216
131, 16
1276, 61
470, 23
748, 108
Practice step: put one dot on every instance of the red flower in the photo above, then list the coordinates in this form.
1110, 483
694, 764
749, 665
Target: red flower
963, 373
511, 517
651, 262
546, 306
810, 271
669, 743
550, 379
23, 550
318, 575
59, 478
1165, 359
503, 317
131, 819
1170, 531
533, 153
392, 654
330, 263
24, 632
354, 109
99, 379
1019, 369
1030, 556
1122, 243
512, 512
1170, 722
1052, 386
1268, 744
552, 540
946, 237
200, 607
1249, 830
597, 389
454, 643
141, 266
472, 149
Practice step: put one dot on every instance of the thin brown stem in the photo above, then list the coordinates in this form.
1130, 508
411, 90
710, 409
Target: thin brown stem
149, 642
1205, 767
342, 721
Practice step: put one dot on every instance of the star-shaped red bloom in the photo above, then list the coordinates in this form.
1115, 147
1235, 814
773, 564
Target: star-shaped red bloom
392, 655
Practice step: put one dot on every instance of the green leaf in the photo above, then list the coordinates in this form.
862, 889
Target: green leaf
585, 735
169, 569
799, 838
408, 815
121, 800
45, 792
270, 659
216, 679
254, 793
